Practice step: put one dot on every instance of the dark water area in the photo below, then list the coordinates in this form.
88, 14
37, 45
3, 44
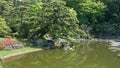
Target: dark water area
86, 55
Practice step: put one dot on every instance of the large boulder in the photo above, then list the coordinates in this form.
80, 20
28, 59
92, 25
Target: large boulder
14, 46
39, 42
8, 48
60, 42
48, 46
18, 46
36, 42
64, 44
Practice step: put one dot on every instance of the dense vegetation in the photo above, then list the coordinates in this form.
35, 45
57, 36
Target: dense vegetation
60, 18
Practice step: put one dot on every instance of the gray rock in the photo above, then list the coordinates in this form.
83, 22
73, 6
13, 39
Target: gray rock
39, 42
8, 48
60, 42
18, 46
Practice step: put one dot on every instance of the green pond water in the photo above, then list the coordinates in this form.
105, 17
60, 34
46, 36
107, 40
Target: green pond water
86, 55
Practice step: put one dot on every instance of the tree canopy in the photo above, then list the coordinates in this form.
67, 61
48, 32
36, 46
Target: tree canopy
61, 18
59, 21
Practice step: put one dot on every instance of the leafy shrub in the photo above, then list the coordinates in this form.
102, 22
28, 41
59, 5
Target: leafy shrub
4, 28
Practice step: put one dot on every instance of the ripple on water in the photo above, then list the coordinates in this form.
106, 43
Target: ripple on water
86, 55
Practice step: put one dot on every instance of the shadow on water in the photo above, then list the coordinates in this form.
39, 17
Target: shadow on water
87, 54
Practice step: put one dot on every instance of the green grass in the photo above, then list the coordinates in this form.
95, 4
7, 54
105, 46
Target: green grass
8, 53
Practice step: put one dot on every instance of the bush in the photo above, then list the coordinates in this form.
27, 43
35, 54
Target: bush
4, 28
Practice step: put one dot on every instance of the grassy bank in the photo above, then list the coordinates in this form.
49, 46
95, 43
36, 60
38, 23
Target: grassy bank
6, 53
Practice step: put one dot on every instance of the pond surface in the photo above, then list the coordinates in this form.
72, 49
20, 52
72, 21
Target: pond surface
86, 55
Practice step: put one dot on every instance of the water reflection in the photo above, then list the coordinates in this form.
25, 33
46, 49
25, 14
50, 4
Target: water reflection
88, 54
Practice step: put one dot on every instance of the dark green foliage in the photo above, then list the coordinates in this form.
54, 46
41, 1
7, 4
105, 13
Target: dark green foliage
58, 21
61, 18
89, 12
112, 18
